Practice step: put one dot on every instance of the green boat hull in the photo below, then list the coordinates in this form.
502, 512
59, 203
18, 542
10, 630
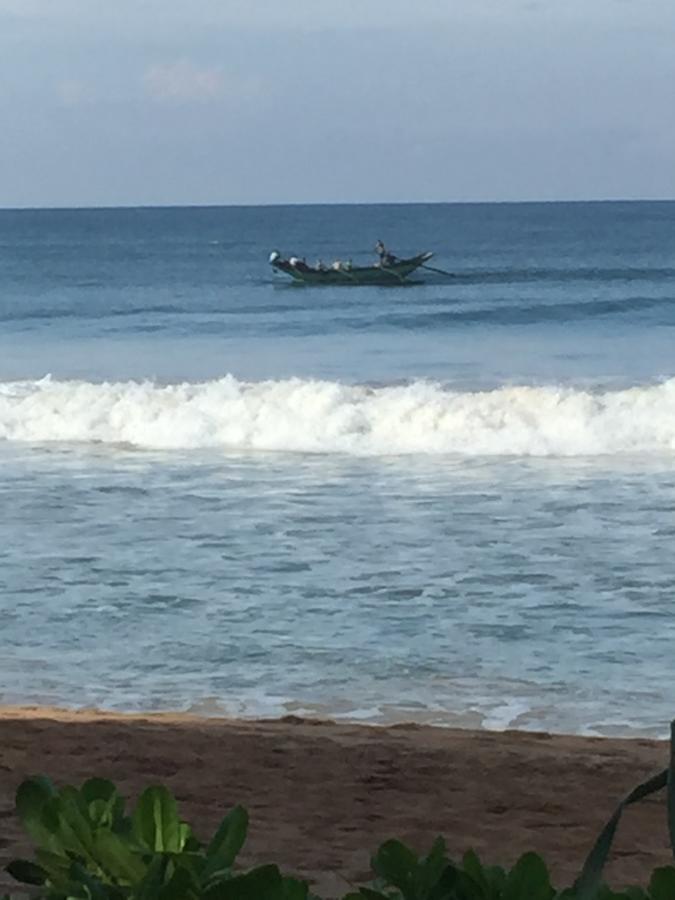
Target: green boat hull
393, 274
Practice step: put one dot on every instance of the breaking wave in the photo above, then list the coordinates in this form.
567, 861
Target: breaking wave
330, 417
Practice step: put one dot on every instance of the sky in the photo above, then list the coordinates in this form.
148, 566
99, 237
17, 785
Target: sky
162, 102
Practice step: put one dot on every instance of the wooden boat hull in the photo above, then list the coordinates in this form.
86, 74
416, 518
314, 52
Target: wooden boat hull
392, 274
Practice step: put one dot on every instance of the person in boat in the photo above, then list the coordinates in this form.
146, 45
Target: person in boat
386, 258
299, 264
341, 265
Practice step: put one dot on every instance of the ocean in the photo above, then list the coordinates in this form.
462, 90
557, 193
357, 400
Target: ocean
451, 502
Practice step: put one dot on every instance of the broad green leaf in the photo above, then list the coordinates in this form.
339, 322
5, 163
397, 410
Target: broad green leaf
490, 880
155, 876
528, 878
636, 893
295, 889
496, 877
662, 883
27, 872
105, 805
397, 864
264, 883
473, 867
156, 824
65, 816
192, 844
94, 889
56, 866
454, 883
181, 886
98, 789
31, 797
184, 836
430, 869
227, 841
117, 859
195, 863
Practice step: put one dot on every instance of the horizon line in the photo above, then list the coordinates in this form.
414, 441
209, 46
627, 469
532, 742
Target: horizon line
275, 205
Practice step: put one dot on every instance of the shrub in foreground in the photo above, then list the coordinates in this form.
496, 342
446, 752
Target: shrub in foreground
88, 848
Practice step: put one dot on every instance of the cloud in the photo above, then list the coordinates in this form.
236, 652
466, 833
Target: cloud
183, 82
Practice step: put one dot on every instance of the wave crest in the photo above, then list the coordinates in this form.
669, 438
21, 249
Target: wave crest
330, 417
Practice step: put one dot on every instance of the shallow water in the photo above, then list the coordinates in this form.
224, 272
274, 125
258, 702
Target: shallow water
451, 502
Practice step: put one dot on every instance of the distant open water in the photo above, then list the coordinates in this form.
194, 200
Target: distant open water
451, 502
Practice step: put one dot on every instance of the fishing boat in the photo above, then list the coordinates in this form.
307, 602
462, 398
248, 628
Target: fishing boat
390, 270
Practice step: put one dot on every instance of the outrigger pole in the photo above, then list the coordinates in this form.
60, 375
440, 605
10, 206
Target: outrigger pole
439, 271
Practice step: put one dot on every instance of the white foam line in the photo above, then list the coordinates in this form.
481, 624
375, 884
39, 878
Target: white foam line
330, 417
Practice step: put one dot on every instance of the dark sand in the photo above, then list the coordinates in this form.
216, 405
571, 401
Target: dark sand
322, 796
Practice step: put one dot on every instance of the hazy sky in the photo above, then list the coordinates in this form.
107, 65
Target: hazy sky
119, 102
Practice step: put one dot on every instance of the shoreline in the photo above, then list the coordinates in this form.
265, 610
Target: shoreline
322, 795
201, 712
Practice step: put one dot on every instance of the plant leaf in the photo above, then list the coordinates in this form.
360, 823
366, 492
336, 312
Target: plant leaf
94, 889
117, 859
155, 876
105, 805
26, 872
588, 882
671, 789
662, 883
263, 883
180, 886
227, 841
295, 889
397, 864
156, 824
74, 826
529, 878
56, 866
31, 798
473, 867
429, 870
98, 789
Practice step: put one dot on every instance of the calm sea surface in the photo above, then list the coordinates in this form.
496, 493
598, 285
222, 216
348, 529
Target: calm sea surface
451, 502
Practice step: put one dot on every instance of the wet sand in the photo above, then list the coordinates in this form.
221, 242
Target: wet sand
321, 796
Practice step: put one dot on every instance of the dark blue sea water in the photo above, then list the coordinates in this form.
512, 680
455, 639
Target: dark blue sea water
449, 502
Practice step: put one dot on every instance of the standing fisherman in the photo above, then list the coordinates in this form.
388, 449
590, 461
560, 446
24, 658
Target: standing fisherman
386, 258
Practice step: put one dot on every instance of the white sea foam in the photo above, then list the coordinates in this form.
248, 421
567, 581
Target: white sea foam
329, 417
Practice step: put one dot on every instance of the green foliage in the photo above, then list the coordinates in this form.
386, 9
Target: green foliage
88, 848
402, 876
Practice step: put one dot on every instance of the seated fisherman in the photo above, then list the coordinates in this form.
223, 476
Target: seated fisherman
300, 264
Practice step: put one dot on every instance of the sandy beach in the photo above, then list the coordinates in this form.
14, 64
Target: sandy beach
321, 796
